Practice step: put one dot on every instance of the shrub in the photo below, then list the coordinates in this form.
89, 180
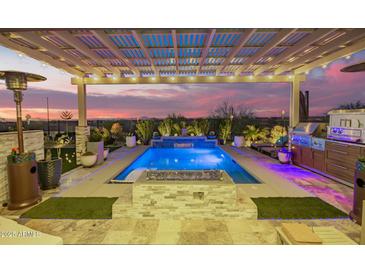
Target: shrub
276, 133
199, 127
225, 128
145, 130
252, 134
165, 127
95, 135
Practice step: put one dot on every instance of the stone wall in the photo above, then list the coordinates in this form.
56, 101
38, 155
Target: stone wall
82, 133
176, 200
33, 142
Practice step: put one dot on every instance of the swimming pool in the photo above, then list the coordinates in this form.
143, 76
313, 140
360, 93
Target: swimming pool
189, 159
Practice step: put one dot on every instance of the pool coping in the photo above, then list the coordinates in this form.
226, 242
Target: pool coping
94, 181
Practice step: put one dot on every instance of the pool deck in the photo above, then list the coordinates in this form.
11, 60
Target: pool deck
278, 180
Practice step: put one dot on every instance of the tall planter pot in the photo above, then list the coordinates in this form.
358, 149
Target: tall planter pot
49, 173
98, 149
131, 141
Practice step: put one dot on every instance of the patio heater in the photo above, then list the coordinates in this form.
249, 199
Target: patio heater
22, 166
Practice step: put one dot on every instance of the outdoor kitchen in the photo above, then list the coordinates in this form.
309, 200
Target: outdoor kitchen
331, 150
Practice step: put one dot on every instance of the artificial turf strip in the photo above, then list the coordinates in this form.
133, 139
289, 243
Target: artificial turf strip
296, 208
72, 208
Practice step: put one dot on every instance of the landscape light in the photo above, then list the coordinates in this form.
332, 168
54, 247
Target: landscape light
348, 57
324, 66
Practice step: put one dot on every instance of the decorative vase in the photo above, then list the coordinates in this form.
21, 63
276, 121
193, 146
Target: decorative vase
88, 160
239, 141
98, 149
131, 141
49, 173
284, 156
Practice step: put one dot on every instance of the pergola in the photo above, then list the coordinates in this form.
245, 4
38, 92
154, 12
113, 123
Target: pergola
176, 56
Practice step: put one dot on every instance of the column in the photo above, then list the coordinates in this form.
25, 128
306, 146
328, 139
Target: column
294, 102
82, 131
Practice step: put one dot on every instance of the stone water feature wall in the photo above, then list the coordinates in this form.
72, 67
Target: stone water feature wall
185, 200
33, 141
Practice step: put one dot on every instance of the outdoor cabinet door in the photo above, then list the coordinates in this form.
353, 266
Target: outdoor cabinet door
307, 156
297, 154
319, 160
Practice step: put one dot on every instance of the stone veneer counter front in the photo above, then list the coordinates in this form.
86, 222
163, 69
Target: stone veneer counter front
185, 200
33, 142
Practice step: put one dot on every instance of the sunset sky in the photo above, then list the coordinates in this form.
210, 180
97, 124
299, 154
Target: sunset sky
328, 88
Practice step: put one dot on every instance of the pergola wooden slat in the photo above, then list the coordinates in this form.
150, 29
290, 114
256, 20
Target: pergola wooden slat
301, 46
37, 40
280, 36
104, 38
73, 41
321, 51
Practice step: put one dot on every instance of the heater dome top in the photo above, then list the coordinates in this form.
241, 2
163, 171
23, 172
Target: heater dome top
30, 77
354, 68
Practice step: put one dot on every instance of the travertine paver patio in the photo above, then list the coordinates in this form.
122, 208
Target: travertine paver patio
142, 231
332, 192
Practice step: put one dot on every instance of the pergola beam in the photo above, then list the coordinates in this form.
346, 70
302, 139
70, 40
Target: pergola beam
38, 55
205, 50
360, 45
145, 51
279, 38
304, 43
187, 80
41, 43
243, 40
104, 38
176, 52
341, 41
73, 41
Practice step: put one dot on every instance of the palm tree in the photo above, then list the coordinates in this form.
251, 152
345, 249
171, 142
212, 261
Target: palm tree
66, 116
252, 134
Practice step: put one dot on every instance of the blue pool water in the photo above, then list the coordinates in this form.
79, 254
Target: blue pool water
189, 159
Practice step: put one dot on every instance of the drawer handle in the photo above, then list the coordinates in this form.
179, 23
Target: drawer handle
339, 166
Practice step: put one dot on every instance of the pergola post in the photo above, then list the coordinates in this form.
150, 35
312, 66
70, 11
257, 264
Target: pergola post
294, 102
82, 130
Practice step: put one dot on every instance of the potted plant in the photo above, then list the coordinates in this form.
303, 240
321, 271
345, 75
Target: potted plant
50, 169
131, 140
96, 145
88, 159
284, 156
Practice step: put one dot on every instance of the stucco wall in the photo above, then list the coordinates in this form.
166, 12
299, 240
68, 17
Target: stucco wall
33, 141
